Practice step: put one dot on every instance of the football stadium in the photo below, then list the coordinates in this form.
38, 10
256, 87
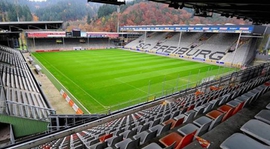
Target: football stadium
189, 86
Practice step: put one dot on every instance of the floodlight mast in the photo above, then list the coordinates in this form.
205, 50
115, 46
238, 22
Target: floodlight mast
118, 12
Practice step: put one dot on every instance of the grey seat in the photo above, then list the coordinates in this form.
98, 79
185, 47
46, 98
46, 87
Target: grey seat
199, 111
128, 144
250, 97
151, 119
223, 99
233, 103
268, 106
204, 119
156, 122
145, 136
89, 138
214, 103
233, 142
94, 141
208, 107
263, 115
161, 128
245, 99
196, 108
156, 146
234, 94
113, 140
166, 117
129, 133
118, 131
189, 115
176, 113
190, 127
142, 128
152, 146
257, 129
99, 145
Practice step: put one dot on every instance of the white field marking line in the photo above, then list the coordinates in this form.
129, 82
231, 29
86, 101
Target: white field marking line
131, 85
62, 85
78, 86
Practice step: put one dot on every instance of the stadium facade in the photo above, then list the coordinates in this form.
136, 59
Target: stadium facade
147, 124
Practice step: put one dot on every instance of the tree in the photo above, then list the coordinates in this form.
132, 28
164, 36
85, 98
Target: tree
89, 19
35, 18
106, 10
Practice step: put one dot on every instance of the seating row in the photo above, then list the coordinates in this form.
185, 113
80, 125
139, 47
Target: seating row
185, 134
254, 133
178, 118
22, 94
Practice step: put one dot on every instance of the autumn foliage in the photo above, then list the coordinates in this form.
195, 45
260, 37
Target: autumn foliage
151, 13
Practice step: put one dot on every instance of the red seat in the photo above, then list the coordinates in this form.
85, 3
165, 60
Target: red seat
175, 123
168, 122
215, 113
226, 108
180, 141
178, 122
104, 137
238, 108
191, 107
267, 83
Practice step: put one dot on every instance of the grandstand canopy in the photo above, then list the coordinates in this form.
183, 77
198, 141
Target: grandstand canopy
114, 2
29, 25
249, 29
256, 11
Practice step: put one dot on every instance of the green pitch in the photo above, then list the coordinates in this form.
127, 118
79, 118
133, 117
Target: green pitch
114, 79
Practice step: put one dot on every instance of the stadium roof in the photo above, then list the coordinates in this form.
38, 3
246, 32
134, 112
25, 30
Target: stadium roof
247, 29
258, 12
19, 26
114, 2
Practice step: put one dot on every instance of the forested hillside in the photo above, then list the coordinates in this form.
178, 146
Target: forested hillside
90, 16
67, 10
14, 12
50, 10
148, 13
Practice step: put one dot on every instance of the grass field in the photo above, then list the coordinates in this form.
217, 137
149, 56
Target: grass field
103, 79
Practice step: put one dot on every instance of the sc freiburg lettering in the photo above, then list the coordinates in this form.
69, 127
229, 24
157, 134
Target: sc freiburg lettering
217, 55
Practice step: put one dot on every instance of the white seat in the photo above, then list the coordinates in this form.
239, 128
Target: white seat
190, 127
233, 103
257, 129
263, 115
204, 119
241, 141
128, 144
